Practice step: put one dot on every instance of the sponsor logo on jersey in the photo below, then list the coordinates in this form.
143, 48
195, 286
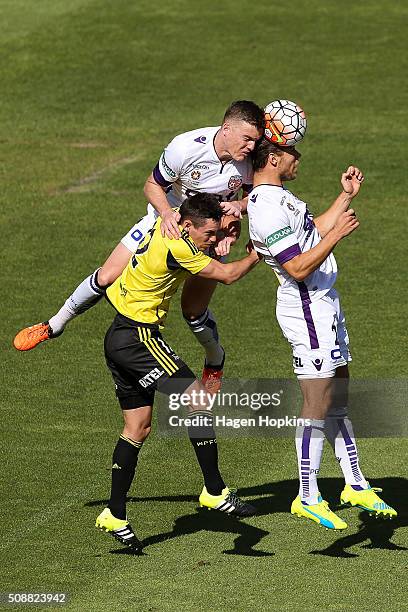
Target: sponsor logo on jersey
253, 198
318, 364
150, 377
201, 167
235, 182
167, 168
201, 139
195, 175
276, 236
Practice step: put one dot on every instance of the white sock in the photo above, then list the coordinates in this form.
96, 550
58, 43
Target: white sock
309, 448
205, 330
86, 295
339, 432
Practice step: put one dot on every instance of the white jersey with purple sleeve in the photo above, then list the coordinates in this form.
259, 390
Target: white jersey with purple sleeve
189, 165
282, 227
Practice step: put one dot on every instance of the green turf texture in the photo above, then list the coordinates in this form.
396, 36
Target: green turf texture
91, 92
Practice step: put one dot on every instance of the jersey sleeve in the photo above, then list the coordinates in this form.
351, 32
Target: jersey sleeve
170, 164
273, 227
187, 255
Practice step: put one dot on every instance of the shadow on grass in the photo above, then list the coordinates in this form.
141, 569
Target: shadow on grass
276, 497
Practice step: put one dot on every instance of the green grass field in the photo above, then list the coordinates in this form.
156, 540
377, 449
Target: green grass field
91, 92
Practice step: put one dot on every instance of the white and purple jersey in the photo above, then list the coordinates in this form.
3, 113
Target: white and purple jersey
282, 227
189, 165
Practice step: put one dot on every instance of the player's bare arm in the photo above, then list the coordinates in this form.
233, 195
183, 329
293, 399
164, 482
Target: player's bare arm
237, 208
229, 273
304, 264
156, 195
351, 181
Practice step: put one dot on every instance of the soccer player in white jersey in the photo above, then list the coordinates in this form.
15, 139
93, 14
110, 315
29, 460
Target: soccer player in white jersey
212, 160
299, 250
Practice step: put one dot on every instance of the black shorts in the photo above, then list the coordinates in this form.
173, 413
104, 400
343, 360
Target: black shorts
141, 362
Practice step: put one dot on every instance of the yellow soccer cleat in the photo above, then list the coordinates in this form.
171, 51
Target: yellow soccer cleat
319, 513
119, 529
367, 499
227, 502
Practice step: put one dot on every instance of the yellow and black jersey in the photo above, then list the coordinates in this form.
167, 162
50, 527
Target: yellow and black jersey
153, 275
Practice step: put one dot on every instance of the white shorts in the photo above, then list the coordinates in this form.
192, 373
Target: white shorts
134, 236
318, 335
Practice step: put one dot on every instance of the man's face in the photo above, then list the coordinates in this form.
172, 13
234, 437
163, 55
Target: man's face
288, 163
240, 138
205, 235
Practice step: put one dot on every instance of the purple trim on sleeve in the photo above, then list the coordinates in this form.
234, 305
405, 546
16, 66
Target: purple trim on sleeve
304, 296
288, 254
159, 178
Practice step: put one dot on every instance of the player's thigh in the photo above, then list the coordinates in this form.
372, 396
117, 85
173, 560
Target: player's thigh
196, 295
119, 258
141, 362
114, 265
312, 331
135, 235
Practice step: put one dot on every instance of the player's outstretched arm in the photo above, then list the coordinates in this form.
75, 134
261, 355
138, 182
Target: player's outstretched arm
156, 195
229, 273
237, 208
351, 181
304, 264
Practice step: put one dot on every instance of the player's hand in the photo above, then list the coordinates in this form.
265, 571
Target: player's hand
232, 208
351, 180
169, 225
346, 223
227, 235
250, 249
224, 245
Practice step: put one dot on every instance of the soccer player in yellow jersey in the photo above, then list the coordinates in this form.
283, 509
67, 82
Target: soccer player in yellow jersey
141, 362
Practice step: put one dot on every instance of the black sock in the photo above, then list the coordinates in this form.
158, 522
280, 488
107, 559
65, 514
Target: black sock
202, 437
124, 462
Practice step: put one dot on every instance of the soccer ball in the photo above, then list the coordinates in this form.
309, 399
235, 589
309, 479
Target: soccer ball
285, 123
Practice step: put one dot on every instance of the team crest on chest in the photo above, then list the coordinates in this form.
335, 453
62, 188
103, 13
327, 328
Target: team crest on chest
235, 182
195, 175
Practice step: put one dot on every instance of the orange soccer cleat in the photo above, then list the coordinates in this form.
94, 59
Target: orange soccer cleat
29, 337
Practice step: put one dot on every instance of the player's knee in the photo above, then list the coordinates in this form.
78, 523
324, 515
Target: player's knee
106, 276
190, 314
139, 433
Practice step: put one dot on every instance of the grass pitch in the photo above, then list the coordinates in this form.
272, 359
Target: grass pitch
91, 92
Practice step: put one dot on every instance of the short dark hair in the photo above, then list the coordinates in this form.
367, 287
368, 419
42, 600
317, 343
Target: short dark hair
245, 110
201, 207
261, 152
